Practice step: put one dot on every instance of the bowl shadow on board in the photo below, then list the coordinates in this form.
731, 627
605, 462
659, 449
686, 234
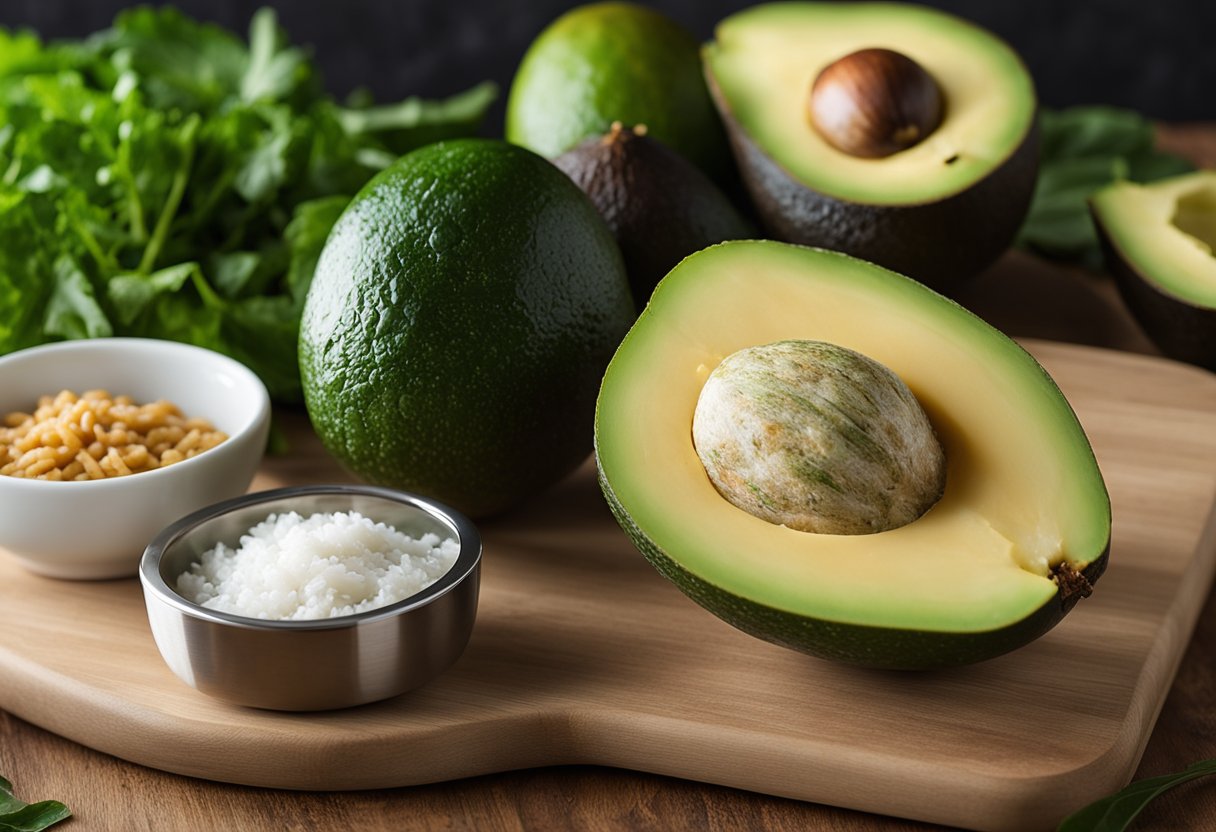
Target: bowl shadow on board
510, 668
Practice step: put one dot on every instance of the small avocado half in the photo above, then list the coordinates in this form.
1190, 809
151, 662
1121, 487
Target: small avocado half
940, 210
1021, 530
1159, 242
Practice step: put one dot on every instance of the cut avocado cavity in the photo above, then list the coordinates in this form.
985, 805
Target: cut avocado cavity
1195, 214
1020, 532
939, 210
1159, 241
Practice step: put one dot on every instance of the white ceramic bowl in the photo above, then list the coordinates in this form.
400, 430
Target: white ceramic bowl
99, 529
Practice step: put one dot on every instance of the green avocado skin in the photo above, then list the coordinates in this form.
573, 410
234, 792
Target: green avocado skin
1183, 331
462, 314
878, 648
939, 243
609, 62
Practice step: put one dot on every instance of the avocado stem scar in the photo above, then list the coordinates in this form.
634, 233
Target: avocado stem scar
1072, 583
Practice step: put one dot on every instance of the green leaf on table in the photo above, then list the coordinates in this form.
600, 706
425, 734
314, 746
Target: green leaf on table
1084, 149
1149, 166
1081, 132
18, 816
1116, 813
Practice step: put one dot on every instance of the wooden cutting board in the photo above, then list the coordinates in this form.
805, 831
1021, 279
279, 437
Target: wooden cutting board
583, 654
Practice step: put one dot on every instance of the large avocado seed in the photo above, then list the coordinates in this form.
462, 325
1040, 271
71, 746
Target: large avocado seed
818, 438
875, 102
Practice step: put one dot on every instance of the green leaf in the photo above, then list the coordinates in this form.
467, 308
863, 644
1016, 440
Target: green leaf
466, 107
306, 235
1081, 174
1085, 149
130, 294
1151, 165
275, 70
1079, 132
18, 816
415, 122
231, 273
19, 52
183, 64
1116, 813
262, 332
266, 167
24, 270
73, 311
180, 317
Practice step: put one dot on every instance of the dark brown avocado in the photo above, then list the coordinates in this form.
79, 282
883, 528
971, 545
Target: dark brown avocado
660, 207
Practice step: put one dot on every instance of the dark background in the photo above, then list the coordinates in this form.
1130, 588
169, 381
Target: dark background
1156, 56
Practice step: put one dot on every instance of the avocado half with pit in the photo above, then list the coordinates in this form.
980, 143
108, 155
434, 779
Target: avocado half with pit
1020, 532
940, 209
1158, 241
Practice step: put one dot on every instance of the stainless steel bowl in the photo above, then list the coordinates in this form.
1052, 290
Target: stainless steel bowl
321, 664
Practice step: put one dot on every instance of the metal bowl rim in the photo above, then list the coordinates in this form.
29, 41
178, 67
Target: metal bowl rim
467, 560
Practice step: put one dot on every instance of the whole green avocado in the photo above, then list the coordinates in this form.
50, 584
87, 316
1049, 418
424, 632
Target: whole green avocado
463, 311
607, 62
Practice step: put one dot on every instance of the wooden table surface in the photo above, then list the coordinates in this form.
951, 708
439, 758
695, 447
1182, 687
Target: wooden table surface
1024, 297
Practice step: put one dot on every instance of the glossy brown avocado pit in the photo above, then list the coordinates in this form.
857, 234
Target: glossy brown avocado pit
874, 103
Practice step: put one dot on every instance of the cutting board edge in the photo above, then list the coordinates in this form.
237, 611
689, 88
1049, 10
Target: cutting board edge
1035, 345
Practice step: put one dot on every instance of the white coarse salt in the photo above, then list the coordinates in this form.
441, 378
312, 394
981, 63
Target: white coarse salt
290, 567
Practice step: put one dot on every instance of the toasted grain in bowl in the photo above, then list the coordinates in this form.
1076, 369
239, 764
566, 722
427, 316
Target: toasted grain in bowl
95, 436
98, 528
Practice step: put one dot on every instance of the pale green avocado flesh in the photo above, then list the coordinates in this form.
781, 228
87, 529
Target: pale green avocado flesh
1023, 523
763, 61
1165, 232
